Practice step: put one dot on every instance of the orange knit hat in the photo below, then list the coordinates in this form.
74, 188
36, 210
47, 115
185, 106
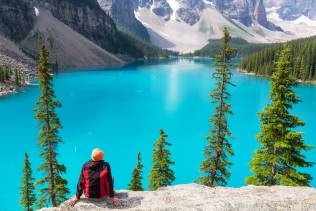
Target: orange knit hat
97, 155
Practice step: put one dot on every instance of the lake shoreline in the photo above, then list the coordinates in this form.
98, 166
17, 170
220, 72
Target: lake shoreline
8, 89
245, 72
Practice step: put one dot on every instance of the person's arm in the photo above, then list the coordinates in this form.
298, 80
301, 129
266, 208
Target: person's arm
115, 200
110, 181
80, 187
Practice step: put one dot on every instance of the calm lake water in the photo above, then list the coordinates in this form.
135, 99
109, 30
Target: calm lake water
121, 112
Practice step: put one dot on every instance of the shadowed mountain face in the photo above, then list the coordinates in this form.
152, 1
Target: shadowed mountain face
16, 18
122, 11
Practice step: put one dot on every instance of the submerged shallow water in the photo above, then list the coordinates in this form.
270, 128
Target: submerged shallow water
121, 112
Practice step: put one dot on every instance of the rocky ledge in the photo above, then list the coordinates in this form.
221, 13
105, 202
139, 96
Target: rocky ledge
197, 197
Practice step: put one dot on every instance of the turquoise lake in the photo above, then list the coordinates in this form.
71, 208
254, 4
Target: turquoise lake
121, 112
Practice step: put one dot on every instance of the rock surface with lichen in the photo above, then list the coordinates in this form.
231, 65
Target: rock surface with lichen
197, 197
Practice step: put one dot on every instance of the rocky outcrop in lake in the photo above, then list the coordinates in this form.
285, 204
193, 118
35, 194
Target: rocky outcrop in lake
196, 197
13, 58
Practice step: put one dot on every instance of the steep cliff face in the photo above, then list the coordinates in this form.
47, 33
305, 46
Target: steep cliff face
16, 18
85, 17
190, 10
246, 12
122, 12
260, 14
236, 9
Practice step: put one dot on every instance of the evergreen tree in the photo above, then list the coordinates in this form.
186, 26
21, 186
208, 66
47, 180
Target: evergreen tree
219, 148
136, 182
27, 190
297, 67
277, 159
302, 69
7, 73
161, 174
262, 62
17, 77
2, 74
53, 186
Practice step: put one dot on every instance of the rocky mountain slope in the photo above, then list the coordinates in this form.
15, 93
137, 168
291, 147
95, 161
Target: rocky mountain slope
196, 197
187, 25
87, 18
67, 47
78, 33
13, 58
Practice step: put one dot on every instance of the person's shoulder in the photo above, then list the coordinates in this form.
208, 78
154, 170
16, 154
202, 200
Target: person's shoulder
87, 163
106, 164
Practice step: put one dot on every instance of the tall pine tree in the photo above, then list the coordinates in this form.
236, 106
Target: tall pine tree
136, 182
161, 174
27, 189
219, 148
53, 186
17, 78
302, 70
280, 154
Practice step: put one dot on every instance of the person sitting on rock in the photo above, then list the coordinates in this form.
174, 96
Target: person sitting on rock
95, 180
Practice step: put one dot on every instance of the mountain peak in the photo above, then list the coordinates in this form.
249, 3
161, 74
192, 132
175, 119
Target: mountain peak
260, 13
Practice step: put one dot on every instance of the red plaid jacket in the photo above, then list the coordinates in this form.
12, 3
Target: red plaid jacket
95, 180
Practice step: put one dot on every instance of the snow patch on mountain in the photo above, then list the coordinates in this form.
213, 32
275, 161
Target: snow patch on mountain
298, 28
36, 11
208, 2
174, 6
171, 34
178, 35
187, 25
